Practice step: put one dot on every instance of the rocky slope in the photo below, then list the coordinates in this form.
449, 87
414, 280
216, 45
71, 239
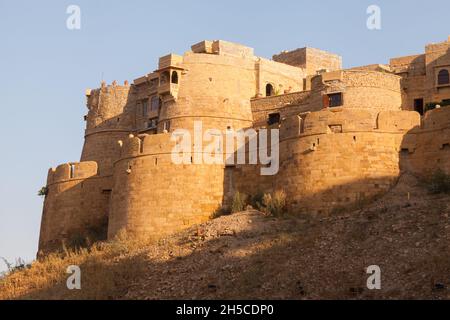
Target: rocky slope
248, 255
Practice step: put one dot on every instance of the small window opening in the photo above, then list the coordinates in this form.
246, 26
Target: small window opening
418, 106
443, 77
335, 128
72, 171
273, 118
269, 90
405, 151
141, 145
167, 126
335, 100
302, 125
175, 77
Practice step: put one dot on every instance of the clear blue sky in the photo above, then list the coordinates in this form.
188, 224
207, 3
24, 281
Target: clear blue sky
45, 68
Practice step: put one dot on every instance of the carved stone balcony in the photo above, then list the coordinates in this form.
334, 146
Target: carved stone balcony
168, 89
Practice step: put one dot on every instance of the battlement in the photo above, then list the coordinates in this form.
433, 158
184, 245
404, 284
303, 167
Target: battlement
437, 119
71, 171
310, 59
334, 121
225, 48
345, 137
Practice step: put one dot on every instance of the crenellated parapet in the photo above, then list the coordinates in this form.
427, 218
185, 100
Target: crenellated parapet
153, 196
345, 138
75, 206
426, 148
71, 172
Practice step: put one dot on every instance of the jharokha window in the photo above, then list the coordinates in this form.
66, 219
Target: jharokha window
443, 77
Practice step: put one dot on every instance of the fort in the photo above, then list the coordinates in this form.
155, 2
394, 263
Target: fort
346, 135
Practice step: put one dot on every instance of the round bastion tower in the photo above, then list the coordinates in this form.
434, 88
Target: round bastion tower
348, 152
152, 195
77, 202
106, 124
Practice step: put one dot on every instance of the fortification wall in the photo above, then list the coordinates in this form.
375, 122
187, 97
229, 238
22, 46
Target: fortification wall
334, 158
310, 59
437, 59
286, 105
76, 206
106, 106
153, 196
361, 89
283, 78
331, 156
426, 148
106, 123
215, 89
339, 159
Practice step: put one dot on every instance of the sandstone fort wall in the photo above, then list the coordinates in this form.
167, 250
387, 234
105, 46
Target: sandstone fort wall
345, 137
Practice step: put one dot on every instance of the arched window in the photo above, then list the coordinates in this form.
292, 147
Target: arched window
269, 90
443, 77
174, 77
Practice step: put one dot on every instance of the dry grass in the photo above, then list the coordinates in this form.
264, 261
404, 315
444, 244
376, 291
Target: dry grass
105, 268
251, 255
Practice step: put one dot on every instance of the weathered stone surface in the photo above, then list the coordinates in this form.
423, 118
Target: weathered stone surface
330, 156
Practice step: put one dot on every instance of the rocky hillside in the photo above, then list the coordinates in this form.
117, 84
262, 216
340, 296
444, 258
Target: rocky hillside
248, 255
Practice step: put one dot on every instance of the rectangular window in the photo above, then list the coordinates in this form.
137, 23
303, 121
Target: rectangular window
72, 171
155, 103
273, 118
335, 128
418, 106
335, 100
144, 107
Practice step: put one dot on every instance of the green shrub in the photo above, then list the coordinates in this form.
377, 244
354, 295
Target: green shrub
239, 202
43, 192
439, 182
275, 205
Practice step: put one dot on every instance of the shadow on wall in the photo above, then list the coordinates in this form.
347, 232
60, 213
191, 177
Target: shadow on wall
75, 214
76, 207
248, 256
425, 149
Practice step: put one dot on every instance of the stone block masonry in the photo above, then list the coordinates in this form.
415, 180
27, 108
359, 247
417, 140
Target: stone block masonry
345, 137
